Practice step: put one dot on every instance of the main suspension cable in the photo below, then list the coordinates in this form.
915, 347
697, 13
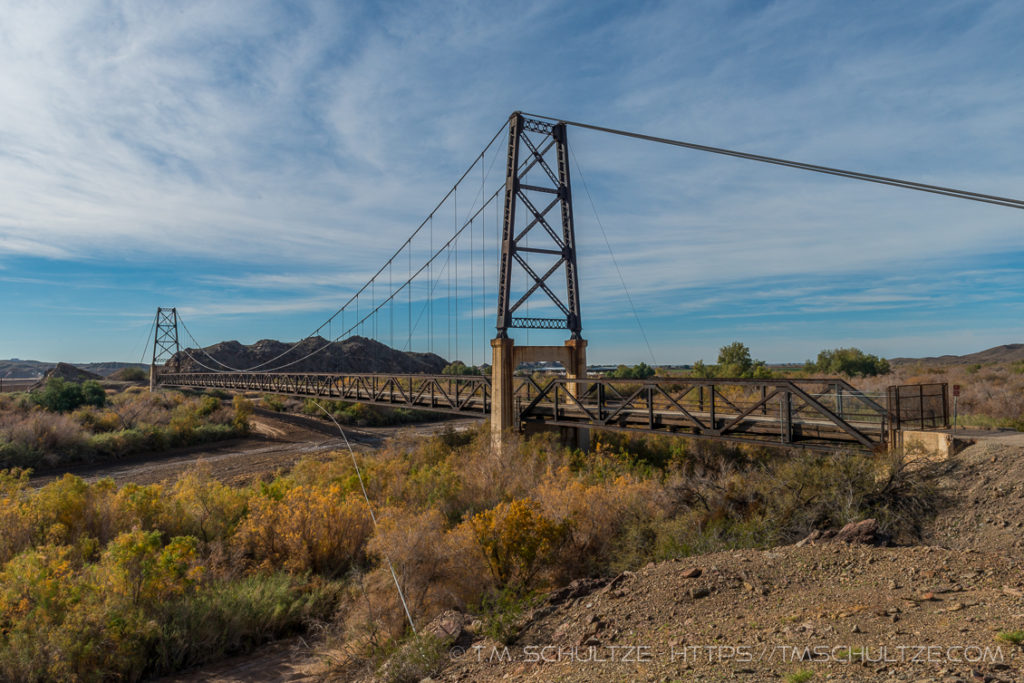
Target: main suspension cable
854, 175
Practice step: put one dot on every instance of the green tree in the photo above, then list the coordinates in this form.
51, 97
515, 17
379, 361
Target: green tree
460, 368
849, 361
734, 360
640, 371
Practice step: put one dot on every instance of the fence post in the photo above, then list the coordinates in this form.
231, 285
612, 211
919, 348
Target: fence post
786, 417
920, 392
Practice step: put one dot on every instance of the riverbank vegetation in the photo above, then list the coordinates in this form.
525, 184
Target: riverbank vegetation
65, 422
103, 582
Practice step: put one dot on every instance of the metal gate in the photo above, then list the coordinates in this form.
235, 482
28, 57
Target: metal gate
918, 406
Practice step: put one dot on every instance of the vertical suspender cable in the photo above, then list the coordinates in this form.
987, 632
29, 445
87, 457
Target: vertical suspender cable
472, 301
409, 293
430, 291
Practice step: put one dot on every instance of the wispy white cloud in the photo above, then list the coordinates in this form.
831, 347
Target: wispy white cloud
266, 147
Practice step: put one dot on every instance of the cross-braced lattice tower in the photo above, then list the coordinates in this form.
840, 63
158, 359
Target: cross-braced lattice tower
165, 342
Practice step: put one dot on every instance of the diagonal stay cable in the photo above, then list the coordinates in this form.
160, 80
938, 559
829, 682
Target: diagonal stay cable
853, 175
615, 262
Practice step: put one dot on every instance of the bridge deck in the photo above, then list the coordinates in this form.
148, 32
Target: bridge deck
817, 413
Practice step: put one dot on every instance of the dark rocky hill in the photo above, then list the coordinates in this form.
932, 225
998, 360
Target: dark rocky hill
355, 354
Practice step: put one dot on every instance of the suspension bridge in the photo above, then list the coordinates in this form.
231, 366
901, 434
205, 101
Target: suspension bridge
517, 231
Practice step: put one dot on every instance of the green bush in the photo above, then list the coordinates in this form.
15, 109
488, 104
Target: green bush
61, 396
131, 375
272, 402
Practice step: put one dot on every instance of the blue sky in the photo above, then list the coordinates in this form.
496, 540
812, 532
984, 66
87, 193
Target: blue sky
253, 162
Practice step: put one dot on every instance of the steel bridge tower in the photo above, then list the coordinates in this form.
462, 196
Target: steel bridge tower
165, 342
539, 147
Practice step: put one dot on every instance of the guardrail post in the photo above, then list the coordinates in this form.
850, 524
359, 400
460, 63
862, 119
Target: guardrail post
786, 416
711, 408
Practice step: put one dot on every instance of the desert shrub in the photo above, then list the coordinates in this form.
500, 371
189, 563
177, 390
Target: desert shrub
437, 568
70, 508
595, 518
122, 442
489, 475
42, 435
318, 529
18, 454
272, 402
15, 514
97, 421
65, 621
199, 505
142, 609
516, 540
130, 374
229, 617
243, 411
142, 506
137, 566
415, 659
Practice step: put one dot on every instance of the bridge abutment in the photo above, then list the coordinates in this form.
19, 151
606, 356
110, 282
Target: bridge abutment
506, 357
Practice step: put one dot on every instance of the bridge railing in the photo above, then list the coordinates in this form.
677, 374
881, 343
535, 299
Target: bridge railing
443, 393
822, 413
10, 384
799, 412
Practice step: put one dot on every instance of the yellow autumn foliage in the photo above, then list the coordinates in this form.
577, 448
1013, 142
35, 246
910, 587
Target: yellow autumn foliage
311, 528
516, 540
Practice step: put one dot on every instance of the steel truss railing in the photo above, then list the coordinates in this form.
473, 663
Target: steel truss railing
811, 413
814, 413
463, 394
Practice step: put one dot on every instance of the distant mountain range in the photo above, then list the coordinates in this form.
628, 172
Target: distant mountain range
34, 368
1007, 353
358, 354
